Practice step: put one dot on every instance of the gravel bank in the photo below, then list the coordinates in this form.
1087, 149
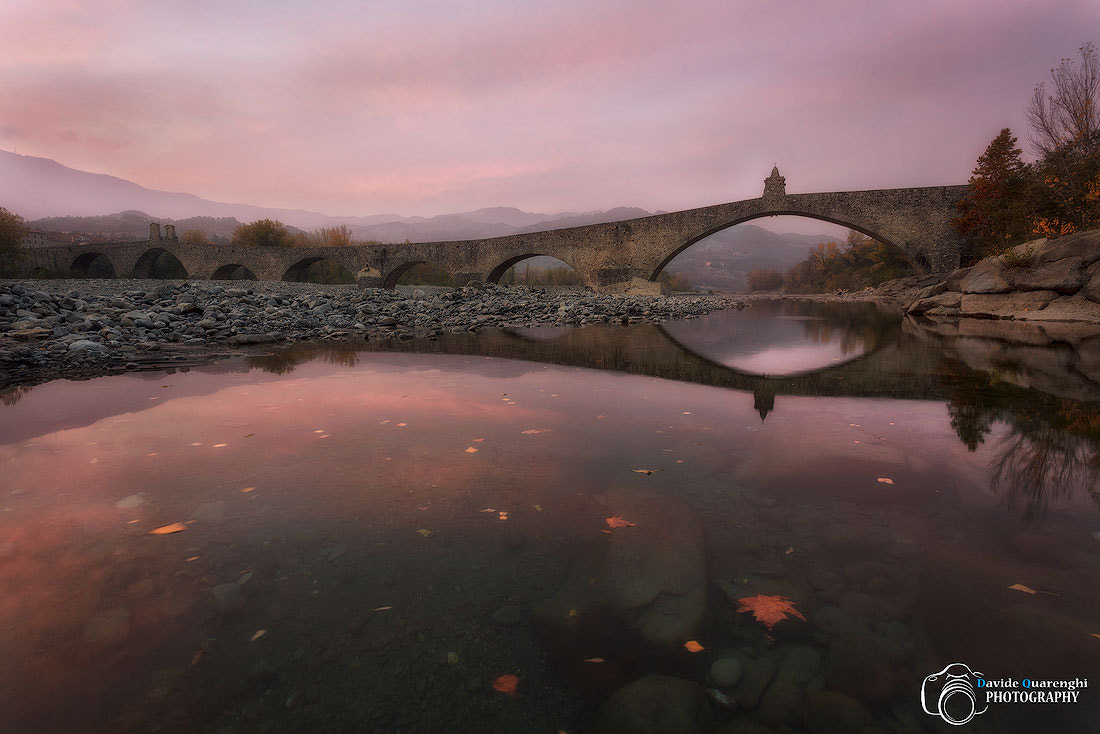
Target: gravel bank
85, 328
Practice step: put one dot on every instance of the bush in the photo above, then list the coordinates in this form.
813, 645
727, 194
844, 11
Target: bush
764, 280
262, 233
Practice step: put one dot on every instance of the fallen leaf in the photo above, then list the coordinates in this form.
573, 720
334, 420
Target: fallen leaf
249, 435
196, 657
1025, 589
1094, 634
503, 516
196, 444
687, 412
614, 521
572, 613
425, 532
478, 440
402, 425
471, 450
246, 490
769, 609
192, 558
151, 453
257, 635
693, 646
790, 550
533, 431
886, 480
381, 609
452, 658
506, 684
645, 471
220, 445
488, 509
176, 527
593, 660
320, 430
538, 508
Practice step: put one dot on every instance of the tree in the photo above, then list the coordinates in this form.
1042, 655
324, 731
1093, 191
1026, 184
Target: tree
261, 233
334, 236
1066, 135
764, 280
1069, 118
994, 212
12, 230
194, 237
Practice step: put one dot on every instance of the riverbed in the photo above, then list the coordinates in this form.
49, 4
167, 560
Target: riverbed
792, 516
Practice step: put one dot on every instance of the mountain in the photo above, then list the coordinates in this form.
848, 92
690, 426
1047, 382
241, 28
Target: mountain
721, 261
39, 187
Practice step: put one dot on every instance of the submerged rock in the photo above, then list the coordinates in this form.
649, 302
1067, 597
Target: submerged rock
656, 704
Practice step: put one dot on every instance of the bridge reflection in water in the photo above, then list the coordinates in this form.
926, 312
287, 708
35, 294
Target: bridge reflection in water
1052, 433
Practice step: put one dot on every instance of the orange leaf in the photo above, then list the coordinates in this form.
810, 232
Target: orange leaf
593, 660
769, 609
533, 431
471, 450
506, 684
1025, 589
885, 480
617, 522
693, 646
176, 527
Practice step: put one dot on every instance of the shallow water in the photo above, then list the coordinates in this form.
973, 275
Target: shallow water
352, 519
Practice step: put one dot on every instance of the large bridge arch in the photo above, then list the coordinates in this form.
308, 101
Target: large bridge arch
86, 262
394, 275
146, 263
498, 271
233, 271
917, 260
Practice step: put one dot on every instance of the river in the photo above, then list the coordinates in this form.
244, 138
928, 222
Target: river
506, 531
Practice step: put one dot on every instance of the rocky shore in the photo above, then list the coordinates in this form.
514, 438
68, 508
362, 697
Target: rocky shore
85, 328
1043, 280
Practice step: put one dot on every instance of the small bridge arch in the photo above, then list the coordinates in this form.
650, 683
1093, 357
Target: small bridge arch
86, 263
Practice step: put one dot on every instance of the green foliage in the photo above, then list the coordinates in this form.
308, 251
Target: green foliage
764, 280
862, 262
1017, 258
12, 229
262, 233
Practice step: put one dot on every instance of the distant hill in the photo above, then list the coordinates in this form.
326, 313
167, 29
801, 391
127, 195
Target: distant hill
721, 261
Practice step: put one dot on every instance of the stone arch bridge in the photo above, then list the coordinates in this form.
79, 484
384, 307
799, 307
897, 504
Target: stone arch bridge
610, 256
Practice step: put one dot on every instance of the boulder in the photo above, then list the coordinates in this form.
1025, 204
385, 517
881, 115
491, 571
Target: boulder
1063, 276
656, 704
1069, 308
1005, 305
954, 281
988, 276
1091, 287
1085, 245
948, 299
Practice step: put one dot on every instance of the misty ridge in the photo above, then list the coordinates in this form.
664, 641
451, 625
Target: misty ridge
55, 198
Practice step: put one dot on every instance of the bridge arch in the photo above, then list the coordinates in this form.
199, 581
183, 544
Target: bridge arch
233, 271
157, 262
917, 261
498, 272
395, 274
93, 265
305, 269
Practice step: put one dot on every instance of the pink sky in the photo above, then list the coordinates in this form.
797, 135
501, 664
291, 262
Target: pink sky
424, 108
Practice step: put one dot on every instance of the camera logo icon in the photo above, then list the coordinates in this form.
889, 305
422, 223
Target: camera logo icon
950, 694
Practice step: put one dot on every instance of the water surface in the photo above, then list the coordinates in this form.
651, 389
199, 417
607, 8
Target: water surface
360, 516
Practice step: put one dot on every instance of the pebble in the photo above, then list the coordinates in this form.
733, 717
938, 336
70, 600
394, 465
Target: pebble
726, 672
96, 326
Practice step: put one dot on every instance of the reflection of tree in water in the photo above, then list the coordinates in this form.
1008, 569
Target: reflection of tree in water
13, 395
1052, 447
857, 328
285, 361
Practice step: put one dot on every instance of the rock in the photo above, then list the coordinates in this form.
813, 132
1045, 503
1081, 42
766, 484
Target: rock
988, 276
656, 704
1070, 308
943, 300
756, 676
781, 704
829, 712
130, 502
508, 615
107, 628
954, 281
1085, 245
228, 598
87, 344
1065, 276
1022, 304
800, 665
726, 672
859, 666
251, 339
